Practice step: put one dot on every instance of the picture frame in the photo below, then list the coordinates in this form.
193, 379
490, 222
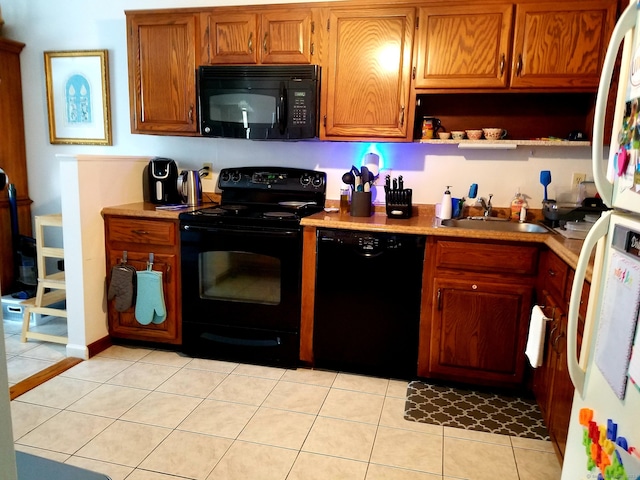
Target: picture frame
78, 97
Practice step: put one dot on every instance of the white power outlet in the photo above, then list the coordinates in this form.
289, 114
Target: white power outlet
577, 179
382, 175
208, 167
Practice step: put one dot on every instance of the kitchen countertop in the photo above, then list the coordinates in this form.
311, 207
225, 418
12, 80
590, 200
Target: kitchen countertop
423, 224
428, 224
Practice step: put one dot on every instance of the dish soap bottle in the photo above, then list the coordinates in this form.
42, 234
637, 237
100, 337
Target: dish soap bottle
516, 206
446, 205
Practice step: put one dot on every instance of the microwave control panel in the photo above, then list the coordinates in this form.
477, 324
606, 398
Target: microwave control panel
300, 104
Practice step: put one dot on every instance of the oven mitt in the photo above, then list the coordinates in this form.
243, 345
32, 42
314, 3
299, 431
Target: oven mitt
150, 298
122, 287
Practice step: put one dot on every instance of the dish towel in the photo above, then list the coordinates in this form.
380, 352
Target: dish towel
150, 305
535, 343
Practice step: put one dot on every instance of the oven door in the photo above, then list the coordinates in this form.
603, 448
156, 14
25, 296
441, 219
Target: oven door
241, 293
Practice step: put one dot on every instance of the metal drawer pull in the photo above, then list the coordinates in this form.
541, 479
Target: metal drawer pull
140, 232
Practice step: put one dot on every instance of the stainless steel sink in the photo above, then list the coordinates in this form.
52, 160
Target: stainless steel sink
499, 225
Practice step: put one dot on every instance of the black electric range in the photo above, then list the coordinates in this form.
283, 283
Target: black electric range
241, 266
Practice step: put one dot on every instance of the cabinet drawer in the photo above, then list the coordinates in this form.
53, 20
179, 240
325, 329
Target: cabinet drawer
490, 258
141, 231
554, 275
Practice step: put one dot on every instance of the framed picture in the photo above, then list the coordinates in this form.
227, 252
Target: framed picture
78, 97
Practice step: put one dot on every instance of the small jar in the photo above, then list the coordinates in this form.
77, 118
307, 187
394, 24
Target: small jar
344, 201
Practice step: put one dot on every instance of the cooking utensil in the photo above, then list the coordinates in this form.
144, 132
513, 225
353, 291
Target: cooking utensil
367, 178
349, 179
545, 180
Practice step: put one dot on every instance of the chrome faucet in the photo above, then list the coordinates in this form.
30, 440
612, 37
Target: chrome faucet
486, 206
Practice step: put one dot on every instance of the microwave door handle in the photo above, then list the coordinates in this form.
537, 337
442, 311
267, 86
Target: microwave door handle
282, 109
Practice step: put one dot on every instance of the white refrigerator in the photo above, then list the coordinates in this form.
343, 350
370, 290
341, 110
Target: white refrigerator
604, 431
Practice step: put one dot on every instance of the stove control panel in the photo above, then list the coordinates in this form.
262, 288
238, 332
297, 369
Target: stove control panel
276, 178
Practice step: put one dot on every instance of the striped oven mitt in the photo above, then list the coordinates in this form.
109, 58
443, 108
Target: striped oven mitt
150, 307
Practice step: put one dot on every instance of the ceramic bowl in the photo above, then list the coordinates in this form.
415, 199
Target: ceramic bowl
444, 135
474, 134
494, 133
457, 134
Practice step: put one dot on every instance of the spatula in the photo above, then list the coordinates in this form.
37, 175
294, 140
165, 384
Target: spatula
545, 180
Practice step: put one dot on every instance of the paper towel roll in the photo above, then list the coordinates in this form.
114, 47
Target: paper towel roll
372, 162
535, 342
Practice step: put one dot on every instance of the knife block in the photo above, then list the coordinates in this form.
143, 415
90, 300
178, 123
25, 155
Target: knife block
398, 203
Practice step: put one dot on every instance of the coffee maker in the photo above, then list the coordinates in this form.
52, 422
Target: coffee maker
160, 181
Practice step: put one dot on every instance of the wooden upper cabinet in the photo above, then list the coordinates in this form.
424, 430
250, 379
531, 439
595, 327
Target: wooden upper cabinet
561, 44
248, 38
463, 47
230, 38
162, 65
367, 76
286, 36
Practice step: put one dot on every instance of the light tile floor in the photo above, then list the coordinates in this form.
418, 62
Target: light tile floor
26, 359
142, 414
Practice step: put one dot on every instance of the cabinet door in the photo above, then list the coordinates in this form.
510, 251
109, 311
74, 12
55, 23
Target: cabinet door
230, 38
368, 73
543, 375
561, 44
124, 324
463, 47
479, 331
562, 393
12, 156
162, 66
286, 36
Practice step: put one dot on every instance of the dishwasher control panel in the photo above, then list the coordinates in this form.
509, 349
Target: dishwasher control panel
364, 242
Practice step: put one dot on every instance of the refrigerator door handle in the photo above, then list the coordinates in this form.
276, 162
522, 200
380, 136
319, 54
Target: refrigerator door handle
625, 24
596, 237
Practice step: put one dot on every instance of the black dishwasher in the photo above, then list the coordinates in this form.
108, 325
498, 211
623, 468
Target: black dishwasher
367, 302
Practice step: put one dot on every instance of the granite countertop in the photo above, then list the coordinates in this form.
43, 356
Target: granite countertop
426, 223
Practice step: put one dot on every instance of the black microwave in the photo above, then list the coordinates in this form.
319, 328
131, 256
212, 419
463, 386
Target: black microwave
260, 102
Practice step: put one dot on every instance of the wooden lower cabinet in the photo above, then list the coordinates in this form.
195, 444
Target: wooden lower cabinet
139, 238
479, 330
552, 385
476, 303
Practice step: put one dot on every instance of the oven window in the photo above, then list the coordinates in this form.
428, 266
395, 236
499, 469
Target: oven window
240, 277
243, 108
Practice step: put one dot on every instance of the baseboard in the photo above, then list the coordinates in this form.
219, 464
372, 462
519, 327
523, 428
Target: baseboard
99, 345
47, 374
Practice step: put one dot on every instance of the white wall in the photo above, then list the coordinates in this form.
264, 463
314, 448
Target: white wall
85, 258
77, 24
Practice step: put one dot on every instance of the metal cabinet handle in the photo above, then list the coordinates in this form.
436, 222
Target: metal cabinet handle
554, 345
439, 299
140, 232
551, 273
250, 45
402, 115
519, 65
191, 113
502, 60
264, 43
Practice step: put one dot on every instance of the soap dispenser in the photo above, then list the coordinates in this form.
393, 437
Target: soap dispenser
446, 205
